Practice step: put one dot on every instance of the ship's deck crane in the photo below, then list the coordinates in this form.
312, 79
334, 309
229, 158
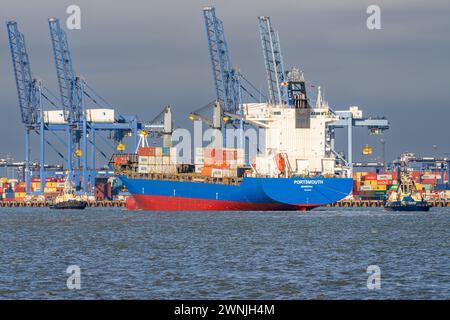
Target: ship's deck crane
161, 125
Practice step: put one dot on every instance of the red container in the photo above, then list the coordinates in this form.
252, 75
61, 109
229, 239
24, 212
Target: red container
429, 181
121, 160
146, 151
384, 182
370, 176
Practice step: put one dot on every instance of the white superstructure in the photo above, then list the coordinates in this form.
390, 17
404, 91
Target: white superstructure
298, 134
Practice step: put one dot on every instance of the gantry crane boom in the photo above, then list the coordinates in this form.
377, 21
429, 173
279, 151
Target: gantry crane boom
70, 91
273, 59
27, 86
225, 78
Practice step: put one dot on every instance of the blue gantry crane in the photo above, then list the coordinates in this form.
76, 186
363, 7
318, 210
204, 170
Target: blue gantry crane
273, 59
229, 83
71, 92
74, 91
226, 78
29, 91
68, 115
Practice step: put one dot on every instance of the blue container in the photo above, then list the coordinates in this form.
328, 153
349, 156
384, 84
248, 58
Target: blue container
166, 151
9, 194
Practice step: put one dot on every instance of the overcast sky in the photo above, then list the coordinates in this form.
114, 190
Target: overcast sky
143, 54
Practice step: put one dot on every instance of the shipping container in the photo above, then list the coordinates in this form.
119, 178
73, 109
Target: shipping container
384, 182
166, 151
143, 160
122, 159
382, 177
206, 171
217, 173
143, 169
146, 151
198, 168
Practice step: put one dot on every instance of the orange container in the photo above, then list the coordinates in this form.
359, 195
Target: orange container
206, 171
146, 152
122, 159
370, 176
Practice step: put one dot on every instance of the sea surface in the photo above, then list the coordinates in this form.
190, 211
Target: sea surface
323, 254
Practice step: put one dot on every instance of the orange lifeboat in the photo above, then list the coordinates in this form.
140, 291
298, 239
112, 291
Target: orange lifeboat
281, 163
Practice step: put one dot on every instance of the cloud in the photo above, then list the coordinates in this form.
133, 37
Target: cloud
142, 55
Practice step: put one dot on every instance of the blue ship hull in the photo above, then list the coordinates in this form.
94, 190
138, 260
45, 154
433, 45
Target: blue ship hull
250, 194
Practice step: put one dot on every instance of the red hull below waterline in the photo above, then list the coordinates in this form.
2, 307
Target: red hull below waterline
163, 203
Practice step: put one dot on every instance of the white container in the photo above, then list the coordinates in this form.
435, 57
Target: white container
198, 168
232, 172
100, 115
166, 160
366, 188
143, 169
198, 159
143, 160
151, 160
384, 177
199, 152
158, 152
54, 117
217, 173
173, 160
159, 160
169, 169
173, 152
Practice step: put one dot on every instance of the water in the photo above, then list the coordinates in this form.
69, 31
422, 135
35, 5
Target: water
323, 254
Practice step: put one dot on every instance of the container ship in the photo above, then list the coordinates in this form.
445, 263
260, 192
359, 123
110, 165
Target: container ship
294, 170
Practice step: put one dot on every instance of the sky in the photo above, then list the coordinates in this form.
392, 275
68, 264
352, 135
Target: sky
144, 54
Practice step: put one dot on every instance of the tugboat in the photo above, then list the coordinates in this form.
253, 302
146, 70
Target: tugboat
68, 199
406, 197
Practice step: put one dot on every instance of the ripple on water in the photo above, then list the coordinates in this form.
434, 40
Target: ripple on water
323, 254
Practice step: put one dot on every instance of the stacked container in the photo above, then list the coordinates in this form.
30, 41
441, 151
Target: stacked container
218, 162
157, 160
